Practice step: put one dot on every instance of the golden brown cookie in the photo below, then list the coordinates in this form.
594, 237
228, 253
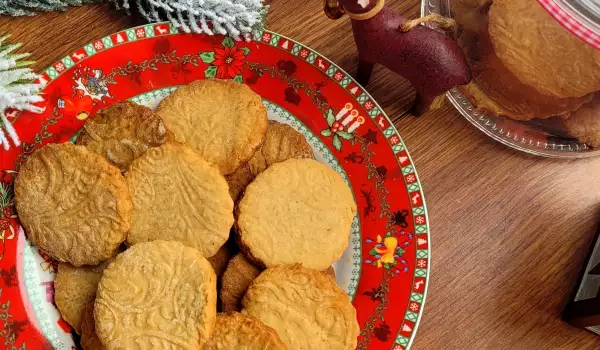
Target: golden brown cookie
89, 338
222, 120
494, 89
235, 281
296, 211
540, 52
73, 204
74, 288
158, 294
282, 142
179, 196
305, 307
330, 272
584, 123
235, 331
122, 132
221, 258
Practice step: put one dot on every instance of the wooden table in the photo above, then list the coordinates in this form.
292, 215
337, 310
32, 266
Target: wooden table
510, 231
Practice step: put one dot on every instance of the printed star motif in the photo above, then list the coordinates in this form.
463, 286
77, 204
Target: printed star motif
421, 263
420, 220
140, 32
266, 37
60, 67
98, 45
411, 178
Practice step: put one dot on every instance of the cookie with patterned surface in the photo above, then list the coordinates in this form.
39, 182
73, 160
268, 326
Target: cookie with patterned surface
89, 338
235, 281
158, 294
222, 120
74, 288
296, 211
177, 195
304, 306
282, 142
73, 204
241, 332
540, 52
122, 132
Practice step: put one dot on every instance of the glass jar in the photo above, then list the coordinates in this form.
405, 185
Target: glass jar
551, 137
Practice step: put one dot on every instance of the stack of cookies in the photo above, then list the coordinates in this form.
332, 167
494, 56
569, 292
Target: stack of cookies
526, 65
161, 219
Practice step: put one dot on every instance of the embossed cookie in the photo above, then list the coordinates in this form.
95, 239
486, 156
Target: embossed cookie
305, 307
89, 338
584, 123
158, 294
494, 89
74, 288
282, 142
235, 281
122, 132
177, 195
222, 120
540, 52
241, 332
296, 211
73, 204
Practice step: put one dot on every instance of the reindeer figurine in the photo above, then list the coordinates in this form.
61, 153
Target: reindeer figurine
428, 58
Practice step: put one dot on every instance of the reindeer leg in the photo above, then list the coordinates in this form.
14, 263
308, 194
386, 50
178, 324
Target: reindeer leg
363, 74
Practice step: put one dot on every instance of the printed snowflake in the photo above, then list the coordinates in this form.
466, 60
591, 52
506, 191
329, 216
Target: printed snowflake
414, 306
98, 45
420, 220
140, 32
421, 263
369, 105
394, 139
398, 347
60, 67
411, 178
338, 76
266, 37
304, 53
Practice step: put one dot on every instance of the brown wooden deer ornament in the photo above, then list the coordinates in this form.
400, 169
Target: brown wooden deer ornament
428, 58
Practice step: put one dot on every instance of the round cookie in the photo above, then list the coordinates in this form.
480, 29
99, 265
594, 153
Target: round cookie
179, 196
495, 90
73, 204
296, 211
74, 289
221, 258
158, 294
282, 142
235, 281
304, 306
89, 338
241, 332
584, 123
122, 132
222, 120
540, 52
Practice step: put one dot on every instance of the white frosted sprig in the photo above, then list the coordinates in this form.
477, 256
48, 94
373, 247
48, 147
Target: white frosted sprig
17, 89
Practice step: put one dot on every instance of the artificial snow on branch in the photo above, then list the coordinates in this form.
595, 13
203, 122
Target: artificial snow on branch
17, 89
237, 18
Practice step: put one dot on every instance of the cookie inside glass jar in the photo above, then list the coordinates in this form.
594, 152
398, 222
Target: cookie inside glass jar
527, 67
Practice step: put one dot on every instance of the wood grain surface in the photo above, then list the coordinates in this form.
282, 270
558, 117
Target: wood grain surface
509, 231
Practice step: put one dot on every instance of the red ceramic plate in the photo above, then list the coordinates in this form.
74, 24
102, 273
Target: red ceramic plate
386, 266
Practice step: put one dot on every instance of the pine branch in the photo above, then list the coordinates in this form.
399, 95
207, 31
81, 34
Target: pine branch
17, 89
30, 7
